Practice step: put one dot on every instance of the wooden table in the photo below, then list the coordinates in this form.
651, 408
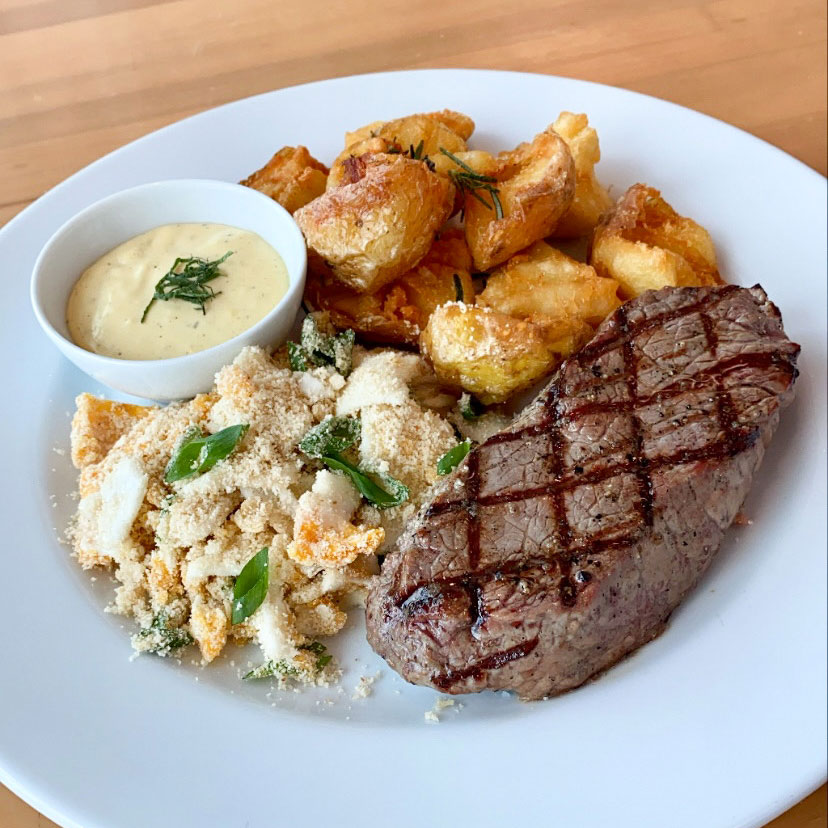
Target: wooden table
79, 78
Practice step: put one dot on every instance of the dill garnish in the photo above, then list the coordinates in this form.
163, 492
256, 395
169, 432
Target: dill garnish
469, 181
187, 279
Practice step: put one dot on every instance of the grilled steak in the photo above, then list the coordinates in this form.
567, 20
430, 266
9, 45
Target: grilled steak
563, 543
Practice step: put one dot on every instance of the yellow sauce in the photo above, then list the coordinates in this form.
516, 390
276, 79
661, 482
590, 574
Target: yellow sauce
107, 302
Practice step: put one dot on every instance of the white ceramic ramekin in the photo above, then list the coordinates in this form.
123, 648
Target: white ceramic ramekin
111, 221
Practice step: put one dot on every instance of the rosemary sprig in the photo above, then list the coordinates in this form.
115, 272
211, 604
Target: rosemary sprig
412, 152
187, 279
469, 181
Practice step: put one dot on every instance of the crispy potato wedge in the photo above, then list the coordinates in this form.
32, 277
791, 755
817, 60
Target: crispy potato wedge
645, 245
493, 355
535, 183
544, 280
97, 425
397, 313
591, 200
457, 122
375, 229
423, 134
293, 177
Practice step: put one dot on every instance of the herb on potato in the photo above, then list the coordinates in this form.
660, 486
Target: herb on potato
452, 458
198, 453
250, 587
164, 639
469, 181
329, 439
317, 348
271, 668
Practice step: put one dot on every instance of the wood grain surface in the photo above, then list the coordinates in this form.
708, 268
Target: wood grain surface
79, 78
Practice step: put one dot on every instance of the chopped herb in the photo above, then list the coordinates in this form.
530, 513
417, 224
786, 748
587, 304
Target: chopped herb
165, 639
470, 407
187, 280
318, 649
469, 181
331, 436
329, 439
451, 459
296, 357
318, 348
373, 493
458, 288
250, 588
270, 668
413, 152
198, 453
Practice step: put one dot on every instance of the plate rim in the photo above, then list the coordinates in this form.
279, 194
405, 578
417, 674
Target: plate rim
42, 803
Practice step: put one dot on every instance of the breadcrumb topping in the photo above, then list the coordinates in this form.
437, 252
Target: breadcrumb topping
176, 549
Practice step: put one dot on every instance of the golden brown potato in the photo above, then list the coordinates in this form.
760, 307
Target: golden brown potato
373, 230
591, 200
535, 183
398, 311
541, 279
645, 245
420, 134
293, 177
457, 122
492, 355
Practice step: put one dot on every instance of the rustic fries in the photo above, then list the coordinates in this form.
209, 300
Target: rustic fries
380, 225
591, 200
491, 354
293, 177
645, 244
535, 183
541, 279
383, 262
398, 312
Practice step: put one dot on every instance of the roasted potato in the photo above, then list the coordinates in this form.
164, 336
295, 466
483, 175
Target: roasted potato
420, 134
645, 245
293, 177
492, 355
377, 228
541, 279
591, 200
456, 121
397, 312
535, 183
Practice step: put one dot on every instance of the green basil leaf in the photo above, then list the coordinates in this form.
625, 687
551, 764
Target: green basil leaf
250, 588
368, 489
318, 649
198, 453
331, 436
449, 461
296, 358
321, 349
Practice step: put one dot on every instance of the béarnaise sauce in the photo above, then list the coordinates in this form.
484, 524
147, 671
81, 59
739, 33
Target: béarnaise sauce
111, 309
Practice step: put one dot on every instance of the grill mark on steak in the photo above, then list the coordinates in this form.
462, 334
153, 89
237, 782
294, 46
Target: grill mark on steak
443, 681
568, 551
637, 461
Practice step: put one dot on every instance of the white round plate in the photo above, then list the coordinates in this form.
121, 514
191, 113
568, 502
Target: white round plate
719, 723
